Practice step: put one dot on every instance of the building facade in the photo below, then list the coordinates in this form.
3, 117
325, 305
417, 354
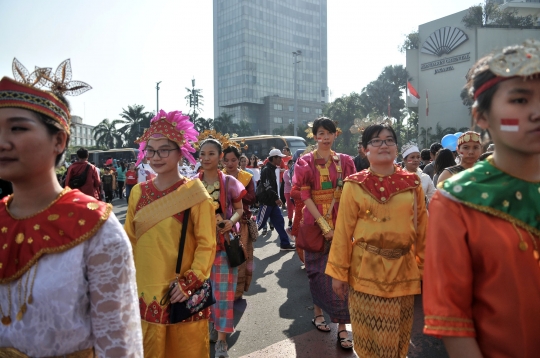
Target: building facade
439, 67
254, 43
81, 134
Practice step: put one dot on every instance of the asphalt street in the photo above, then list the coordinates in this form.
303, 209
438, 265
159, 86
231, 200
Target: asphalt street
273, 319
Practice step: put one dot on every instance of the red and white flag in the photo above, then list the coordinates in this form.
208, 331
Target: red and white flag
509, 125
413, 94
427, 104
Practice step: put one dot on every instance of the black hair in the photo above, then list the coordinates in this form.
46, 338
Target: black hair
271, 159
445, 159
123, 165
484, 156
424, 154
374, 130
214, 142
480, 74
82, 153
287, 148
435, 147
324, 122
232, 149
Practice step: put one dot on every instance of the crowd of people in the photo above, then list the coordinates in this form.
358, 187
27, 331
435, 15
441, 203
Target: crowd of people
165, 283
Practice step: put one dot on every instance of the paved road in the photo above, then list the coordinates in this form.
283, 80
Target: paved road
274, 318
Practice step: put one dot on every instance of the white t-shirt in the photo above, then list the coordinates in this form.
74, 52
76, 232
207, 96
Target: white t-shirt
141, 173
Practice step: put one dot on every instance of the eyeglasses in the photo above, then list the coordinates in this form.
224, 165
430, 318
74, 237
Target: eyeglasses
379, 142
162, 153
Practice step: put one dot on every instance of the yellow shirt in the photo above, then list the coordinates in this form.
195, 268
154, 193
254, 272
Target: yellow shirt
384, 224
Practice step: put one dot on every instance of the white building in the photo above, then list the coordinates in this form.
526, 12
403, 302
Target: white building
81, 134
447, 52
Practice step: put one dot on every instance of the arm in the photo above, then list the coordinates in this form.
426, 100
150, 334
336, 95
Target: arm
445, 174
422, 218
129, 226
237, 206
249, 198
430, 190
114, 306
265, 180
97, 180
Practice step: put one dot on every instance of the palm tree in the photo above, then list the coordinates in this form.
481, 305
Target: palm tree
244, 129
106, 134
224, 123
135, 119
344, 110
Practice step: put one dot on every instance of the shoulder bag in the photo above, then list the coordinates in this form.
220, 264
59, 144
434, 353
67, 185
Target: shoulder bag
201, 298
233, 244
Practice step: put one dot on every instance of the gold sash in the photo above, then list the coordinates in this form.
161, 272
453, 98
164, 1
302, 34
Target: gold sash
191, 193
15, 353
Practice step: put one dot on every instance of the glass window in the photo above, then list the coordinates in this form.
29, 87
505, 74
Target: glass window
278, 120
305, 109
278, 107
291, 108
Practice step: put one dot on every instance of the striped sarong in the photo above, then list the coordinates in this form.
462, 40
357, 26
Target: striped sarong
223, 279
381, 326
320, 285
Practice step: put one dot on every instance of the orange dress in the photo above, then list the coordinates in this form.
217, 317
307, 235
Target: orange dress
478, 282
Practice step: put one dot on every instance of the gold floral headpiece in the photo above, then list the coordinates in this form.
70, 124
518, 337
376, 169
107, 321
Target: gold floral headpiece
309, 130
226, 140
467, 137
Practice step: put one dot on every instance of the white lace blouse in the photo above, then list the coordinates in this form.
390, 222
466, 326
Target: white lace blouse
84, 297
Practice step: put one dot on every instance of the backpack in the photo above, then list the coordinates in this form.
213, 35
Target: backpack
78, 181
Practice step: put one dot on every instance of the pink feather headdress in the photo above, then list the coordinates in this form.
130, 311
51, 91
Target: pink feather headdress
174, 126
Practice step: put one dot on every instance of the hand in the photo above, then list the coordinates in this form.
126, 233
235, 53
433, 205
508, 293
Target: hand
177, 295
279, 202
228, 226
329, 235
340, 288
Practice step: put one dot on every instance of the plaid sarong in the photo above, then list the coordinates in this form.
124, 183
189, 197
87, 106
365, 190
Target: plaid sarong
223, 279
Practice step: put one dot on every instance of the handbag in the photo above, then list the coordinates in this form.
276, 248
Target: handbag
203, 297
252, 229
310, 238
233, 245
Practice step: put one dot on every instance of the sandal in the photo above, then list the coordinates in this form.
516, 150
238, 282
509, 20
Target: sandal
320, 324
341, 340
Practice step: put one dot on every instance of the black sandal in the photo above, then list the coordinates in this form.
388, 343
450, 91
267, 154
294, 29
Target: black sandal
341, 340
320, 324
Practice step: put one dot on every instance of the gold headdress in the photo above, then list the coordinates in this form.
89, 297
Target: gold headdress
309, 130
225, 139
467, 137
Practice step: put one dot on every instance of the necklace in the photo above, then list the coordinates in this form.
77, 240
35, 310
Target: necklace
523, 246
212, 189
23, 299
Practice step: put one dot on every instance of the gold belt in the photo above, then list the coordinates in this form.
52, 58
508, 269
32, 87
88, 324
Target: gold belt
7, 352
391, 254
325, 196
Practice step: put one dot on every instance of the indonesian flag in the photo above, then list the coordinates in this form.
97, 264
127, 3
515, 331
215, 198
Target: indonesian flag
510, 125
427, 104
413, 94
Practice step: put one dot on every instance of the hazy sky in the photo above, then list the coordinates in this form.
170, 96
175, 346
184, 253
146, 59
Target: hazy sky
122, 48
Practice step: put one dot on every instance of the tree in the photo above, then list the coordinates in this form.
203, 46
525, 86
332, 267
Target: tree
411, 42
106, 135
489, 13
344, 110
244, 129
201, 124
224, 123
194, 99
466, 99
135, 119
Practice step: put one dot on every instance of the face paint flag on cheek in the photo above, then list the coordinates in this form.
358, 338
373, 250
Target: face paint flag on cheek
509, 125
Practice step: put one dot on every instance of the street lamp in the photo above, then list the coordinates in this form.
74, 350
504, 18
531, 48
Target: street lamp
157, 96
296, 54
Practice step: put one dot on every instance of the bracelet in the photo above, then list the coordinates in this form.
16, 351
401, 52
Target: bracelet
235, 218
323, 224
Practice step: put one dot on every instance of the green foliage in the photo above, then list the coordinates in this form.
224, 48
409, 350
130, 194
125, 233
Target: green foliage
106, 134
194, 99
289, 131
224, 124
427, 137
411, 42
135, 120
489, 13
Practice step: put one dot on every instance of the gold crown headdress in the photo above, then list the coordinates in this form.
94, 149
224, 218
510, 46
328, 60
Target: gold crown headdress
224, 139
309, 131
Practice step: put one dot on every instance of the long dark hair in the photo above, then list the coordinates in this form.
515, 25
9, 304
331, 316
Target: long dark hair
53, 127
445, 159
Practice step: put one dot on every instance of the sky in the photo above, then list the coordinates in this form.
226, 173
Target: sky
123, 47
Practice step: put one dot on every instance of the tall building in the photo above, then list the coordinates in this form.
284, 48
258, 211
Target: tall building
81, 134
254, 43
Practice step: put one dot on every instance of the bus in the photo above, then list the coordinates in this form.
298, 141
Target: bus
100, 156
261, 145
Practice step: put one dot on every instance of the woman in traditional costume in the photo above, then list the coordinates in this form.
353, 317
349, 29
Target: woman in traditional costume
470, 149
320, 175
67, 279
227, 193
482, 299
411, 158
377, 252
154, 224
231, 157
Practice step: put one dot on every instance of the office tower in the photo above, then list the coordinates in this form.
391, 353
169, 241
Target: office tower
254, 43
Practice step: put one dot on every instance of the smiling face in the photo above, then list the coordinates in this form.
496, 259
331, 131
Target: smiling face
27, 149
324, 138
385, 154
514, 117
412, 162
230, 162
159, 164
209, 156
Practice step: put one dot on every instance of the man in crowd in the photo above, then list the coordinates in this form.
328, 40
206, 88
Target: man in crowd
270, 200
83, 175
425, 155
430, 168
361, 161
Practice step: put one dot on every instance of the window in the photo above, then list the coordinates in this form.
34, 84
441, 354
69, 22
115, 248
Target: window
305, 109
278, 107
291, 108
318, 111
278, 120
291, 120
